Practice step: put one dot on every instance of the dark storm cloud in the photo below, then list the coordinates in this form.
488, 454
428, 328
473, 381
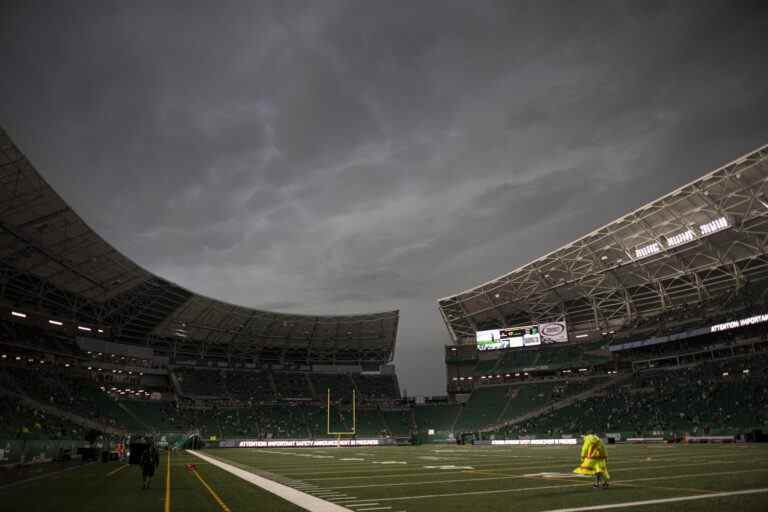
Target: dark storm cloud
357, 156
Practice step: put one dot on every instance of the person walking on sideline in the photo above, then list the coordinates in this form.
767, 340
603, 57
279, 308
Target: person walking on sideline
147, 466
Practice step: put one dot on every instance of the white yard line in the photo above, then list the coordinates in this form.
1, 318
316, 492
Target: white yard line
662, 500
582, 484
332, 467
614, 467
295, 496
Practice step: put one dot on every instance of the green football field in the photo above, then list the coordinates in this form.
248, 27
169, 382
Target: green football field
415, 479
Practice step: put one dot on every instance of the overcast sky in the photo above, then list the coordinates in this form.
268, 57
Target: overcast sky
327, 157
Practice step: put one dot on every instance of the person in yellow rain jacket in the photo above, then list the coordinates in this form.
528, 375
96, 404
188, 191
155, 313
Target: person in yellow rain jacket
594, 460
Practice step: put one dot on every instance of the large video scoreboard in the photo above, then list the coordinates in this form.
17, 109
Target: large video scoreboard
522, 336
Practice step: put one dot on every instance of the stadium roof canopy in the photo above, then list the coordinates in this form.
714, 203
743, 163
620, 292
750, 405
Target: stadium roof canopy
51, 261
702, 241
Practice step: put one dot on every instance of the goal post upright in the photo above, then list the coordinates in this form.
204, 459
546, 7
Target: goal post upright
328, 415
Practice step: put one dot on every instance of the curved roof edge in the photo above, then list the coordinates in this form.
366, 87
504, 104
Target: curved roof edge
701, 240
43, 239
748, 158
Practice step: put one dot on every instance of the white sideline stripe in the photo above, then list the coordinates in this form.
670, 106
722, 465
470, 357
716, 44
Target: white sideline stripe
663, 500
295, 496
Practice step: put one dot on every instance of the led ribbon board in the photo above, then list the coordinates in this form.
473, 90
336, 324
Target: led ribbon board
735, 324
301, 443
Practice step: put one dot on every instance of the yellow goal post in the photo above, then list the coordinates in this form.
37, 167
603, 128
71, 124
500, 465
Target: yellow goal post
328, 416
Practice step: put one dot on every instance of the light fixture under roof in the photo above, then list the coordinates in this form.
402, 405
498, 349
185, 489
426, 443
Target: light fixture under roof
680, 238
647, 250
714, 226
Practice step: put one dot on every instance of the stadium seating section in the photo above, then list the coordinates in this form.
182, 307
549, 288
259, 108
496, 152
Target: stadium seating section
438, 418
66, 390
721, 396
20, 421
678, 386
554, 357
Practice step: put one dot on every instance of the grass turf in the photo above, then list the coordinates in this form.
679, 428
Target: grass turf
416, 479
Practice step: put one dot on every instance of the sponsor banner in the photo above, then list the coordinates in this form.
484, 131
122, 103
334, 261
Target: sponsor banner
553, 332
298, 443
643, 440
534, 442
710, 439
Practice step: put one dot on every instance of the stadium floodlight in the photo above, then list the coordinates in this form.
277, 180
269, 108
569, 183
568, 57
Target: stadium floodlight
647, 250
5, 356
681, 238
100, 331
18, 314
714, 226
582, 335
82, 328
55, 322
